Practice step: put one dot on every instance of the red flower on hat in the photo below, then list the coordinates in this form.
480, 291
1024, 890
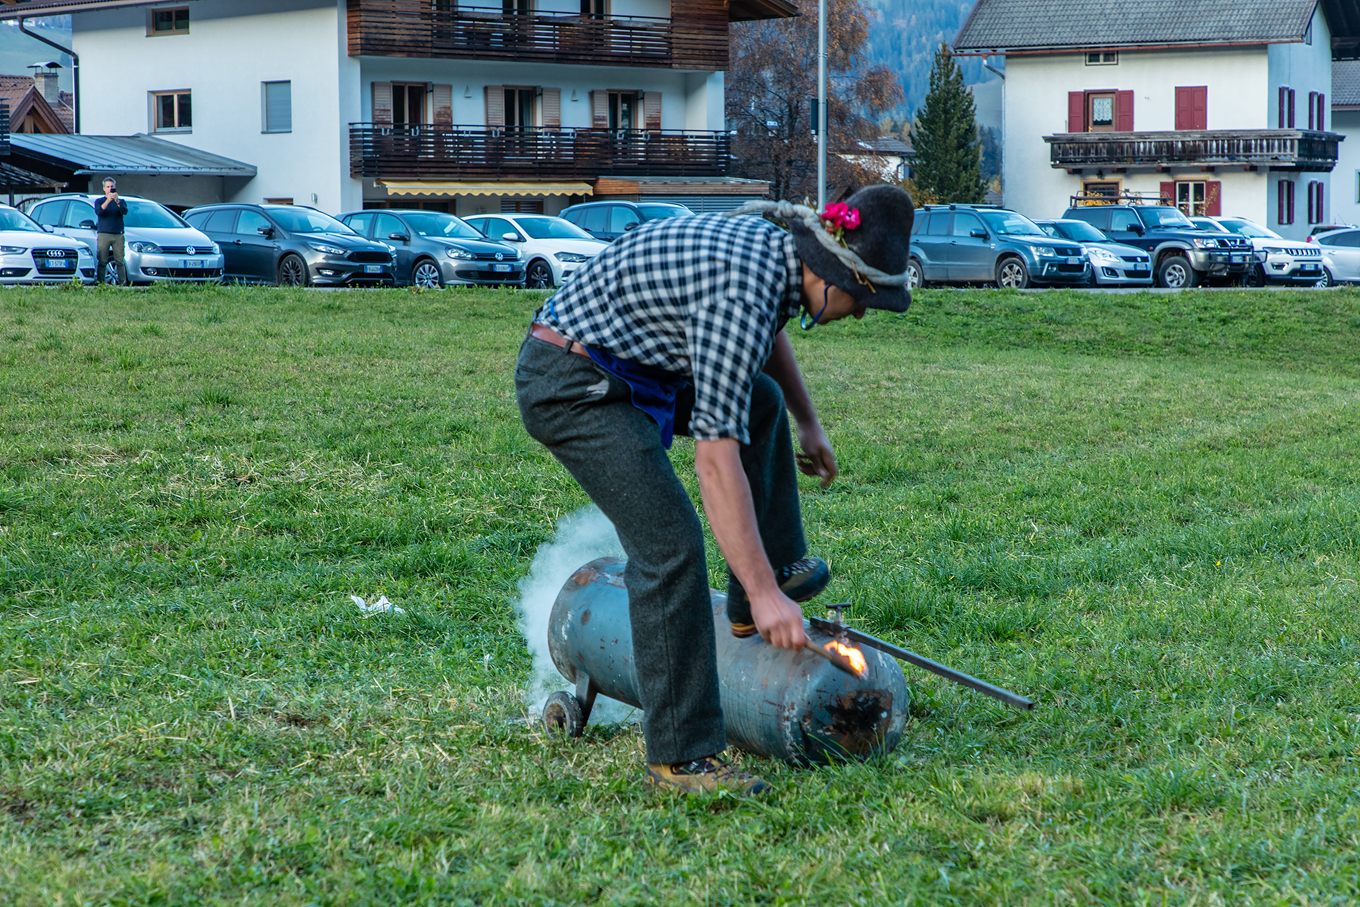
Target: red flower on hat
838, 218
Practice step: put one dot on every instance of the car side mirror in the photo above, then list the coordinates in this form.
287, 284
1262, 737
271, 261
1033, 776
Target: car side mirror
511, 237
627, 227
1136, 229
87, 225
47, 228
978, 233
399, 237
266, 232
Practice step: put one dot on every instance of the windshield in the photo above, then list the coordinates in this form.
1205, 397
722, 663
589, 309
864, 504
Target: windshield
17, 221
441, 226
1081, 231
1008, 223
1211, 226
305, 220
1163, 217
1250, 230
142, 213
656, 212
552, 228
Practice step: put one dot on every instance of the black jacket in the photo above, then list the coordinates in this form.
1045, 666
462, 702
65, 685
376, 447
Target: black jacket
110, 216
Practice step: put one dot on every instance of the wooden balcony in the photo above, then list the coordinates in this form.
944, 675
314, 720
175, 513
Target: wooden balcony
1276, 149
418, 28
481, 152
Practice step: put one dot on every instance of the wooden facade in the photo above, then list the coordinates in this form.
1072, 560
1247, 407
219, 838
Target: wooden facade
419, 28
1277, 149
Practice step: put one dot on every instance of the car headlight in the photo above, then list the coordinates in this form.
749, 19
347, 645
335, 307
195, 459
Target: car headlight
84, 251
1045, 251
1273, 250
12, 250
325, 249
1204, 242
571, 257
1099, 254
460, 254
216, 249
144, 247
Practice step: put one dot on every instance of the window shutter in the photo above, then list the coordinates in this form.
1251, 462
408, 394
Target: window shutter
1168, 193
599, 110
495, 105
1322, 112
552, 108
651, 110
1291, 107
1123, 111
443, 104
1279, 202
382, 103
1312, 107
1311, 219
1281, 104
1213, 198
1289, 200
1191, 107
1076, 111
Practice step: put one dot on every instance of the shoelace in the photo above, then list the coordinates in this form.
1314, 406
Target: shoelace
720, 769
798, 566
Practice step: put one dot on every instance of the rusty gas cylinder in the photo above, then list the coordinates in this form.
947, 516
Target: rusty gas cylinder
776, 703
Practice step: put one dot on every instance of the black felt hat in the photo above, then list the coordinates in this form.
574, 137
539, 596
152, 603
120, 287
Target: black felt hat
882, 240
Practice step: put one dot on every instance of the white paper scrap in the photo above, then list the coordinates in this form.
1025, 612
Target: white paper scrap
381, 606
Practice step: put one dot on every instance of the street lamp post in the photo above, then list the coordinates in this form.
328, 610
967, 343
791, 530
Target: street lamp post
821, 105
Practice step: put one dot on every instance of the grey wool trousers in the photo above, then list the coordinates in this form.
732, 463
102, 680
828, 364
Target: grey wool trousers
586, 418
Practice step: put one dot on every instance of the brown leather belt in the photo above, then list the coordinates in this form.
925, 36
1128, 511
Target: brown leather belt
548, 335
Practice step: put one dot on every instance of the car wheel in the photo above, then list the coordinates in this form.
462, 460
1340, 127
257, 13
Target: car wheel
111, 274
1326, 280
292, 272
426, 275
538, 276
1255, 277
1175, 273
915, 276
1011, 274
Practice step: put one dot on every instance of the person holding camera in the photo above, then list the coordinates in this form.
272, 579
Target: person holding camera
109, 232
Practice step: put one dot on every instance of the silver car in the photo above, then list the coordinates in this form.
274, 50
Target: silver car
434, 249
1112, 264
1340, 256
160, 245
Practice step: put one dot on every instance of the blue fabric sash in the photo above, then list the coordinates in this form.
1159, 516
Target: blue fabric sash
654, 389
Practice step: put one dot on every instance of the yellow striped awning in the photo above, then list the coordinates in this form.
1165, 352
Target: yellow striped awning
440, 188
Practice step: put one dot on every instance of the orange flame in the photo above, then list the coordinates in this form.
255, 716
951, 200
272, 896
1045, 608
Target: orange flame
854, 656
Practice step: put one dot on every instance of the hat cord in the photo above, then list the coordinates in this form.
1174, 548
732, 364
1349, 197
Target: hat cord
789, 211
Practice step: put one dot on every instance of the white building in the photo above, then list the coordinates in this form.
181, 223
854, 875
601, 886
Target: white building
1346, 121
1218, 105
520, 105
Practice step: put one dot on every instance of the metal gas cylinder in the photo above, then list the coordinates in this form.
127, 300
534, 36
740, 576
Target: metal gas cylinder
776, 703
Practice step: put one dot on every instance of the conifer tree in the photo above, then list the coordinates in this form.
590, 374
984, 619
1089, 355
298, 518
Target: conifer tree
947, 161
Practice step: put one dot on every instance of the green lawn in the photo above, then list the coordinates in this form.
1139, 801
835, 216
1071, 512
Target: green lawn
1140, 510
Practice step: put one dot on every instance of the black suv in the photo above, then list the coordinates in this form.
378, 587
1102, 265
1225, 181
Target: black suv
1182, 254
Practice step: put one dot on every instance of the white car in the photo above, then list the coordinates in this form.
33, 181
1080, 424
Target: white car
29, 254
159, 244
1340, 256
1278, 260
552, 247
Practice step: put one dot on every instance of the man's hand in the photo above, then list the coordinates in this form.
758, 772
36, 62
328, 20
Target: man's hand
816, 457
779, 620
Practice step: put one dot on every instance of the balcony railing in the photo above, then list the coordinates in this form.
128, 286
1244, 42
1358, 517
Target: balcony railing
485, 152
419, 28
1281, 149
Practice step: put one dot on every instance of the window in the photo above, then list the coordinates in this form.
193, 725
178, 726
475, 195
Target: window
277, 106
521, 206
1284, 202
965, 224
221, 222
596, 220
622, 110
252, 222
1100, 112
1357, 187
1102, 58
80, 215
1124, 222
171, 111
49, 215
1285, 113
278, 201
360, 223
519, 107
387, 225
1190, 197
1110, 188
168, 21
622, 219
408, 104
939, 225
595, 9
1192, 107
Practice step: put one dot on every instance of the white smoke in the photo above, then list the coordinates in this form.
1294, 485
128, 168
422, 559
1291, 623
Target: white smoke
581, 537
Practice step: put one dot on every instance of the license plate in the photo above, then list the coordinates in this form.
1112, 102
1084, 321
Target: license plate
1074, 261
372, 269
1237, 258
188, 263
62, 263
502, 269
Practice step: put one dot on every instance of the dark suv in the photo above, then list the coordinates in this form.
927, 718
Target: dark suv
980, 244
610, 220
1182, 254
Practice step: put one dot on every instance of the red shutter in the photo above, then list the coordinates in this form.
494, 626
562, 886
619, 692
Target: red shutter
1312, 107
1291, 108
1182, 109
1322, 112
1168, 193
1311, 219
1281, 104
1123, 111
1289, 200
1213, 198
1192, 107
1076, 111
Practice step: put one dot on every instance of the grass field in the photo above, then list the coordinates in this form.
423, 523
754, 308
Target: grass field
1140, 510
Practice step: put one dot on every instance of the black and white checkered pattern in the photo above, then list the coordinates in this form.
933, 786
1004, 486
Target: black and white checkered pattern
700, 296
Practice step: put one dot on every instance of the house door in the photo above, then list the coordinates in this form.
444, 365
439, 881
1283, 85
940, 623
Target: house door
408, 105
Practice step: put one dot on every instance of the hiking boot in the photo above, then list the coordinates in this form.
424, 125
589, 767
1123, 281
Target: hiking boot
801, 581
703, 776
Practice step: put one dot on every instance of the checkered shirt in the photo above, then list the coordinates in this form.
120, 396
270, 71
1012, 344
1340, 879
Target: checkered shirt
700, 296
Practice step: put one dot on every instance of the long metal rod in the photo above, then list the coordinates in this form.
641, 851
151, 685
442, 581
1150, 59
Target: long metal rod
948, 673
821, 105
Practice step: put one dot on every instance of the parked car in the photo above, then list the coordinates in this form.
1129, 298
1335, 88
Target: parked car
29, 254
610, 220
292, 245
1278, 260
159, 244
553, 247
973, 244
435, 249
1340, 255
1182, 254
1112, 263
1327, 228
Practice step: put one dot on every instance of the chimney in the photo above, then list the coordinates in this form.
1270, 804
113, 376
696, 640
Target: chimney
45, 80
